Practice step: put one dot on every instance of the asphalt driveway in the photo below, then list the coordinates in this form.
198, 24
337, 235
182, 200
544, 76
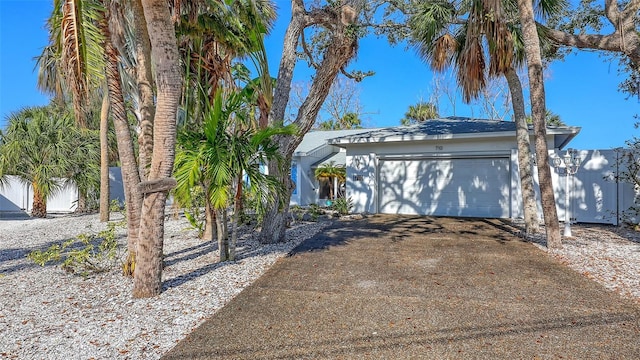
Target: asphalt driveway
394, 287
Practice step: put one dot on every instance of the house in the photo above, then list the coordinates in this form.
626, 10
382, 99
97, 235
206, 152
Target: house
460, 167
313, 151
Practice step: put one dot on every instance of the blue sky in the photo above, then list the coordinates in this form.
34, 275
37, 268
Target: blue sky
582, 89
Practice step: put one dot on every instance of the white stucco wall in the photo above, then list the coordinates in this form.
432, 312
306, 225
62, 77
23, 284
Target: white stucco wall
593, 198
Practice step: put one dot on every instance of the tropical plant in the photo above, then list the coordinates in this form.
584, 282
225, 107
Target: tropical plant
211, 36
84, 255
42, 146
420, 112
79, 58
71, 66
551, 119
216, 160
343, 205
348, 121
334, 174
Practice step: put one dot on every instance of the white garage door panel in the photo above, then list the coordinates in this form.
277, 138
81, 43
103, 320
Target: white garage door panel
456, 187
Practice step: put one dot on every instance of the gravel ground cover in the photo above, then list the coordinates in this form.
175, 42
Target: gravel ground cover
48, 314
608, 255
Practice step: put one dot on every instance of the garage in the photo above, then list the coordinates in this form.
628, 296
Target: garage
467, 187
441, 167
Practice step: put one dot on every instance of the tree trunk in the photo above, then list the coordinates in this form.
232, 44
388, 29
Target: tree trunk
237, 208
166, 58
340, 50
524, 153
82, 202
538, 110
274, 225
126, 153
39, 208
209, 233
223, 235
104, 158
144, 78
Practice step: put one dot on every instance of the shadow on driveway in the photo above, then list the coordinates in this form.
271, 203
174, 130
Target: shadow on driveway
400, 287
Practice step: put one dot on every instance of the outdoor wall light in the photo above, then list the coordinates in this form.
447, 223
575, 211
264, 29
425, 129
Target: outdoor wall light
568, 166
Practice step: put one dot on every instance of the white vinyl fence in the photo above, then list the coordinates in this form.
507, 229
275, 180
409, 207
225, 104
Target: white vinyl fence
595, 196
17, 196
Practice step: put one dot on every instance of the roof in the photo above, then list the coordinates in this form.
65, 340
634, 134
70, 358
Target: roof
316, 139
451, 127
339, 158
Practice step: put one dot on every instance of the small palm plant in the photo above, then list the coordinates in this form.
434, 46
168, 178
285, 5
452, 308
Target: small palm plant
335, 174
216, 160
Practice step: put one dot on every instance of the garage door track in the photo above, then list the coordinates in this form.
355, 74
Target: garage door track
394, 287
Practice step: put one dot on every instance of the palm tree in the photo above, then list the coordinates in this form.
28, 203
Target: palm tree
349, 120
211, 36
216, 159
422, 111
335, 174
550, 117
443, 39
126, 153
166, 57
72, 65
73, 62
42, 146
531, 42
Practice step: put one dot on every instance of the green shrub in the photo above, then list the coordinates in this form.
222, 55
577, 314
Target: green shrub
315, 211
83, 255
342, 205
195, 219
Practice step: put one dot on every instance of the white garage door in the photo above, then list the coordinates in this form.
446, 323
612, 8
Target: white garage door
474, 187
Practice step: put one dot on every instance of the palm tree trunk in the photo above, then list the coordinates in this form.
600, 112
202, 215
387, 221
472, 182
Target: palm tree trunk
39, 208
524, 153
144, 78
104, 158
82, 202
209, 222
330, 188
538, 110
223, 237
235, 218
164, 52
130, 176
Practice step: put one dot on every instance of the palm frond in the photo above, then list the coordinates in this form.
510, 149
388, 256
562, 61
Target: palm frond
471, 65
443, 51
546, 8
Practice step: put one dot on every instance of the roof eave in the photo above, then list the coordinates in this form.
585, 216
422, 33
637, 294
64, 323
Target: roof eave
342, 142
